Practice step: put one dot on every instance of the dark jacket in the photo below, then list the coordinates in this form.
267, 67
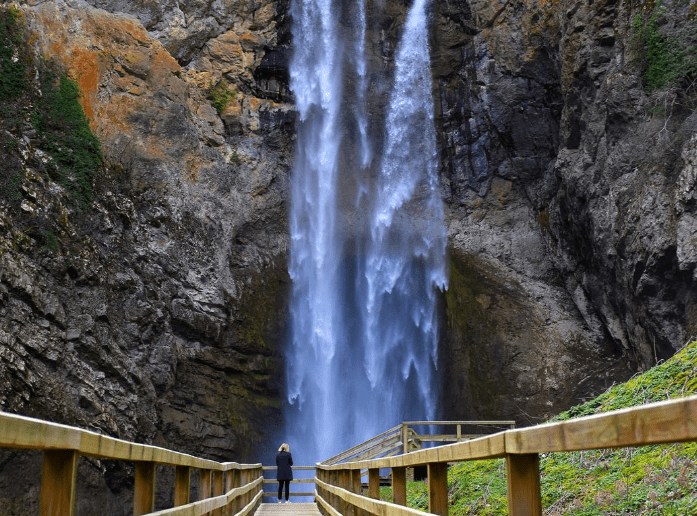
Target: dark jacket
284, 461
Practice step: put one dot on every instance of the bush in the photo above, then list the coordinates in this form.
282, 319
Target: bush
668, 53
221, 95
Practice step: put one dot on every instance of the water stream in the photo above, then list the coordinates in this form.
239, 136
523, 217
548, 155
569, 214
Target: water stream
367, 232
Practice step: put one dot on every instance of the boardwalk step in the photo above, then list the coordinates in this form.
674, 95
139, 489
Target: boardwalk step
287, 509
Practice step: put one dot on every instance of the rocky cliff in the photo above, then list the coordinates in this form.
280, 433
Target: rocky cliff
153, 315
157, 313
570, 187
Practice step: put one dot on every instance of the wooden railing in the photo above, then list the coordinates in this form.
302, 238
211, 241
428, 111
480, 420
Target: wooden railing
339, 485
274, 494
404, 438
225, 488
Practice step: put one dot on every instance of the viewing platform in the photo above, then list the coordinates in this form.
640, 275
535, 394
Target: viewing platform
231, 489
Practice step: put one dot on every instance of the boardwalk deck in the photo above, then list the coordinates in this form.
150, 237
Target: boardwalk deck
287, 509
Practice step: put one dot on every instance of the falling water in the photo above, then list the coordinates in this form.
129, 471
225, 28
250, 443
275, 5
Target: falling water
361, 355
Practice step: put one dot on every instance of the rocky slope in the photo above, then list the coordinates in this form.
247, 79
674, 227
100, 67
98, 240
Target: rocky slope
157, 315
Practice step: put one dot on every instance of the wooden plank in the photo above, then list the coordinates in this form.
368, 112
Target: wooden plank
205, 484
657, 423
356, 449
489, 447
377, 451
274, 495
523, 477
182, 485
202, 507
450, 423
376, 507
329, 510
144, 493
295, 468
399, 486
217, 490
58, 483
296, 481
374, 483
29, 433
438, 488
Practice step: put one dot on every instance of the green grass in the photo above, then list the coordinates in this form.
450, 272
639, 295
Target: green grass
646, 481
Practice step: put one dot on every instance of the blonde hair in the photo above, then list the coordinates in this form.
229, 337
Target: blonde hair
284, 447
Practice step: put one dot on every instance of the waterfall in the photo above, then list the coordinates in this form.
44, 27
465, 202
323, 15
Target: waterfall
361, 353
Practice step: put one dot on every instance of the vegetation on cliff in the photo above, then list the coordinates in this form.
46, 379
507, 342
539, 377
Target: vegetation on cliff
668, 52
650, 480
41, 118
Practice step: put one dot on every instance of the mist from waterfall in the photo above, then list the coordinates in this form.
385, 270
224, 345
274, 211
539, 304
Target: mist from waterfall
367, 254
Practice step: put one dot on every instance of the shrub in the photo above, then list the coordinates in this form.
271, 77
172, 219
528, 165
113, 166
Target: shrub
668, 54
221, 95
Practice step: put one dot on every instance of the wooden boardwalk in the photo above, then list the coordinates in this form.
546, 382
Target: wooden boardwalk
287, 509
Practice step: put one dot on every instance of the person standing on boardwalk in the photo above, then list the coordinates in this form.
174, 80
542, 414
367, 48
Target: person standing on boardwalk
284, 472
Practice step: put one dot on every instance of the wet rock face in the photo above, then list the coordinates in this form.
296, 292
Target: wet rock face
156, 316
567, 198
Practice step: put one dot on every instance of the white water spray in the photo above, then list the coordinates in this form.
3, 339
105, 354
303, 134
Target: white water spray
362, 351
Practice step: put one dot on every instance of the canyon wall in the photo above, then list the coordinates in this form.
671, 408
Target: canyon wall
570, 190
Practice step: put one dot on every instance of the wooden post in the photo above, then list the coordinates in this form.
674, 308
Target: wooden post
235, 506
144, 496
523, 475
438, 488
399, 486
459, 432
58, 483
182, 485
355, 487
229, 479
345, 482
405, 438
218, 490
205, 484
244, 480
374, 483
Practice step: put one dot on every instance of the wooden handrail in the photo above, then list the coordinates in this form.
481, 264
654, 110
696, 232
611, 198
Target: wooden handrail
406, 438
62, 445
664, 422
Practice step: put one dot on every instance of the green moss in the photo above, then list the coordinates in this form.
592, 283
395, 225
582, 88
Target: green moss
467, 299
64, 134
465, 285
260, 307
649, 480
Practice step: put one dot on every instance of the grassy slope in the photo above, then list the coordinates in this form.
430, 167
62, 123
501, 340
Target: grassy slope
651, 480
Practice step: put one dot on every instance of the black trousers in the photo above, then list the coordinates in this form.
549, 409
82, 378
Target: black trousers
280, 488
